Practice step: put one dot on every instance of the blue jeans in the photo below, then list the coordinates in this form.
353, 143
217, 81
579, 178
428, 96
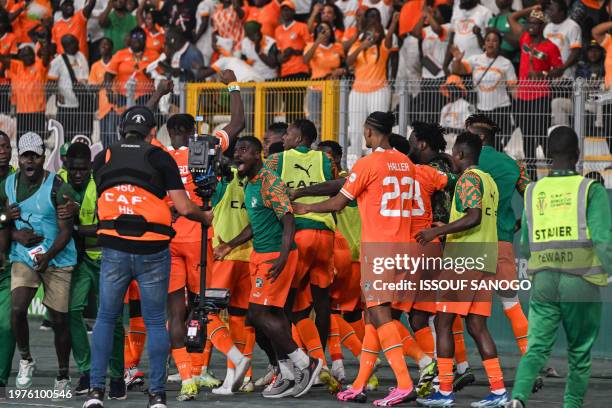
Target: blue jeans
108, 129
151, 272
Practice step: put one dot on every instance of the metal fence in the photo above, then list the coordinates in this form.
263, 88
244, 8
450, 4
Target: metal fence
524, 111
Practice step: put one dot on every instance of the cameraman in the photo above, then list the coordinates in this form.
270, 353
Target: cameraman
133, 177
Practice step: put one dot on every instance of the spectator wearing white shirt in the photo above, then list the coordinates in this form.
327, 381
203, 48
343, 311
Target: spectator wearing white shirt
468, 23
458, 109
349, 10
65, 71
492, 74
260, 51
434, 41
566, 34
203, 34
385, 7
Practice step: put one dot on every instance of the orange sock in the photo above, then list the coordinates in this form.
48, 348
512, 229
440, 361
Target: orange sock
425, 339
409, 345
369, 354
391, 344
236, 327
333, 340
348, 338
249, 334
460, 353
310, 336
137, 335
445, 374
208, 349
183, 363
519, 324
494, 372
296, 337
128, 359
359, 327
197, 360
219, 334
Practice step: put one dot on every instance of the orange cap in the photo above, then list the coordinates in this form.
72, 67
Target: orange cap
288, 3
452, 80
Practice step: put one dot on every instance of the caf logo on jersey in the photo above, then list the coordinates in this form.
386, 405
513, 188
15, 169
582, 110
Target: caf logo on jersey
541, 203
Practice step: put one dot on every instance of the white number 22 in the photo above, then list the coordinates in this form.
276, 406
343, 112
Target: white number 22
413, 193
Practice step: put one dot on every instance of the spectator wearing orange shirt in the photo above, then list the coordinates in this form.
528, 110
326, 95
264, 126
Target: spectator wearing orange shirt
601, 34
8, 45
28, 76
126, 71
291, 39
330, 14
325, 56
228, 20
266, 13
155, 34
72, 23
106, 112
368, 57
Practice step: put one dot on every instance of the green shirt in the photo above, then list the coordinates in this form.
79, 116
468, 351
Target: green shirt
4, 269
599, 222
275, 164
500, 22
118, 28
267, 202
509, 177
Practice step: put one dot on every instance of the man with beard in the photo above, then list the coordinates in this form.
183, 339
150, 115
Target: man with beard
273, 266
42, 253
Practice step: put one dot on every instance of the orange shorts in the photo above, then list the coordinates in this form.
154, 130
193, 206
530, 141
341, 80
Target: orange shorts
316, 249
234, 276
345, 290
185, 266
265, 292
132, 293
465, 302
506, 264
426, 300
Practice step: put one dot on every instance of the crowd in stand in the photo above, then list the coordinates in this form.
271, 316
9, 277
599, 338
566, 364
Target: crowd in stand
467, 55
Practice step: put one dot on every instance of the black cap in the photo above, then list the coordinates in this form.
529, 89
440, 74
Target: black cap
139, 119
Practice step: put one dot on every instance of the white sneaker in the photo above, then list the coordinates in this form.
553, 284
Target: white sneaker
337, 370
268, 376
174, 378
24, 376
61, 390
226, 387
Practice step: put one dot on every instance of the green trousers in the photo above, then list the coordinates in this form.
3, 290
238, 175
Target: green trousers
7, 341
581, 322
86, 277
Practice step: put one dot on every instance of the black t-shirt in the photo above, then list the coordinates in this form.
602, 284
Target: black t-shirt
168, 169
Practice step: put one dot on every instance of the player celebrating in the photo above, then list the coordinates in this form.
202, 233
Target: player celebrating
374, 182
185, 272
472, 225
299, 166
273, 266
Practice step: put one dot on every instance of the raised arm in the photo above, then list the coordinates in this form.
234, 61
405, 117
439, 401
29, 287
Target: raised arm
600, 30
88, 8
457, 66
312, 19
140, 13
391, 30
103, 19
237, 120
513, 19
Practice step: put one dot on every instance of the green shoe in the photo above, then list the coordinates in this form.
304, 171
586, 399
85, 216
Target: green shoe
427, 374
189, 391
208, 380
